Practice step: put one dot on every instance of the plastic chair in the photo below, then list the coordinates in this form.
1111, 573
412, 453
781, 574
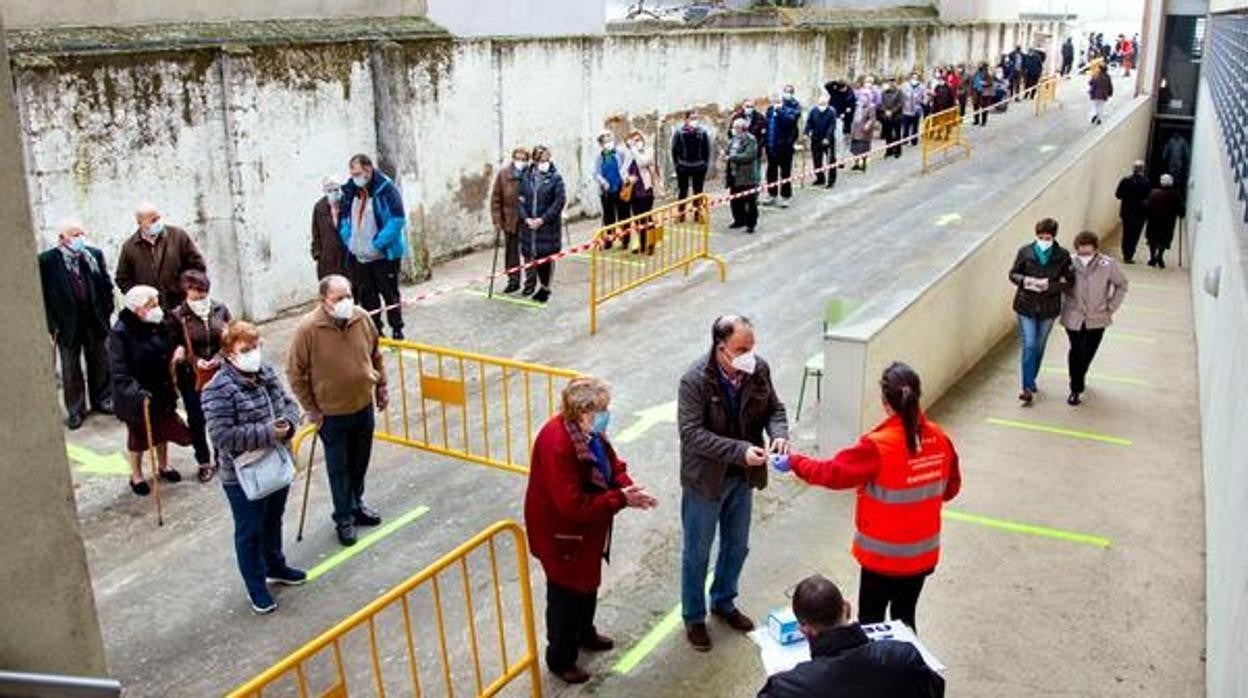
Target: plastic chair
834, 311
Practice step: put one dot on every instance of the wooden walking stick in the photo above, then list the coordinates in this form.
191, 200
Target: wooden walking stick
307, 487
494, 267
151, 452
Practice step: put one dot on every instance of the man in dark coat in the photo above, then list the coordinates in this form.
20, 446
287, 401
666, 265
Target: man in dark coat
691, 156
725, 405
1068, 55
1165, 207
782, 132
756, 123
841, 99
156, 255
1132, 192
844, 662
542, 197
327, 247
505, 212
78, 301
821, 129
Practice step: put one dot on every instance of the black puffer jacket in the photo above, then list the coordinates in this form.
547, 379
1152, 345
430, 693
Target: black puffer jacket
542, 196
845, 663
1041, 304
139, 356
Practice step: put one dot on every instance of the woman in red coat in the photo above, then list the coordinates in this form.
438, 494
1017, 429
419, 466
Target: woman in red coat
577, 485
904, 470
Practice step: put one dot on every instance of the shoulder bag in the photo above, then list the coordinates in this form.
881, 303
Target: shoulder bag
202, 375
264, 471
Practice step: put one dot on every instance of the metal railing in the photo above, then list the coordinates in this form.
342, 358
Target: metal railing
941, 132
1046, 93
467, 405
377, 649
29, 685
670, 237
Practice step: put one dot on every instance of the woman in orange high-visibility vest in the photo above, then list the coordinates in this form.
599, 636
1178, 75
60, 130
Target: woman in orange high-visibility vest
904, 469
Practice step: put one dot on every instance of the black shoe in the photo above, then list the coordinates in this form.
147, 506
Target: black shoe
263, 607
573, 675
1161, 263
366, 517
543, 295
528, 290
1073, 399
140, 488
1152, 261
1025, 397
750, 230
346, 534
171, 476
73, 421
288, 576
397, 334
598, 643
735, 225
735, 619
512, 287
1128, 261
699, 637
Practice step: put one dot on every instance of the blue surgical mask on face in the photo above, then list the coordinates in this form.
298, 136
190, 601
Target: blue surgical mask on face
78, 244
156, 228
601, 420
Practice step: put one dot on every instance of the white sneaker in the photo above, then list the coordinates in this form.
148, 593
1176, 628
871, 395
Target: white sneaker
264, 610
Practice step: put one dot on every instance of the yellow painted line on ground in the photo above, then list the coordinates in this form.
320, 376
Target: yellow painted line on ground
651, 639
1107, 377
365, 543
647, 419
504, 298
1059, 431
947, 219
88, 462
1029, 529
1132, 337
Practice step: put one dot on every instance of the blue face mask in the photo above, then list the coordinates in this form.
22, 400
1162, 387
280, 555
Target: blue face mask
601, 420
78, 244
156, 228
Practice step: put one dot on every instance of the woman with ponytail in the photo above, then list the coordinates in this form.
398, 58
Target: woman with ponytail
904, 470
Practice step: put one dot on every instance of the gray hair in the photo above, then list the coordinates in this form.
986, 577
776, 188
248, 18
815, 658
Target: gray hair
740, 124
330, 281
144, 209
330, 183
70, 225
1138, 166
139, 296
727, 325
1167, 180
585, 395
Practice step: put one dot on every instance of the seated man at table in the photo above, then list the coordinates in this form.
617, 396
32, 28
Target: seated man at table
844, 662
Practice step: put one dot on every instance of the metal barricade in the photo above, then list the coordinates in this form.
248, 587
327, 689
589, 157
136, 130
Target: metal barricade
1046, 93
941, 132
378, 649
675, 236
466, 405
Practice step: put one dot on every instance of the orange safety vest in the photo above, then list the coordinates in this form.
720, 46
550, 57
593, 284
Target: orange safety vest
898, 513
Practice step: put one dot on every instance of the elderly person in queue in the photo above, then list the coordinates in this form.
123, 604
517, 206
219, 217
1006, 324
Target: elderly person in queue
742, 172
328, 251
1132, 191
647, 183
1042, 273
577, 484
198, 323
374, 231
248, 410
542, 197
142, 355
505, 212
611, 172
156, 255
1098, 290
862, 130
1164, 207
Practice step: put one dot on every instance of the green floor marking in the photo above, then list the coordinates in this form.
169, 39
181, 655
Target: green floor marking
504, 298
1029, 529
651, 640
365, 543
1059, 431
89, 462
647, 419
1107, 377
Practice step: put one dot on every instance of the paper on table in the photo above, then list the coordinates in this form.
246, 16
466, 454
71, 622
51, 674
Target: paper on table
777, 657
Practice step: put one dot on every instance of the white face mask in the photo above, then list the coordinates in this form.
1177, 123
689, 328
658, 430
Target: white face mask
361, 181
520, 165
1044, 244
155, 315
543, 167
334, 196
199, 307
1086, 259
248, 361
745, 362
343, 309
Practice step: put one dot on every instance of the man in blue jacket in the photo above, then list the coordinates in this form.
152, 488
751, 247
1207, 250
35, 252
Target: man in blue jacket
374, 231
782, 132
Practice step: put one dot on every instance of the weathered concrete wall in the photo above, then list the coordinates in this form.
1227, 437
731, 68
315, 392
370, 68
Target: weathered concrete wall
519, 17
232, 141
30, 14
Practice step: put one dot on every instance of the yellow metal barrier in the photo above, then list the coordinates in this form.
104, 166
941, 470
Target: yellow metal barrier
1046, 93
388, 632
676, 235
942, 131
466, 405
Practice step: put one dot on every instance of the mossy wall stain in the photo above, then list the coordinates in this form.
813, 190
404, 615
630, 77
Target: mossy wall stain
435, 58
308, 67
474, 190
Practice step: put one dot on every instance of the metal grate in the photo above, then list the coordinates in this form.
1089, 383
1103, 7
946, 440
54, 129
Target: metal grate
1228, 84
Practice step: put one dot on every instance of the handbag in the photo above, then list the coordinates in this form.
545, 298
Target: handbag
626, 192
264, 471
202, 375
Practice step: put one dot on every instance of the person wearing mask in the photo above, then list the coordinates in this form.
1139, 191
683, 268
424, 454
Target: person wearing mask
691, 155
505, 212
892, 105
914, 94
726, 404
943, 98
335, 370
954, 80
821, 130
844, 661
610, 171
1098, 290
1165, 207
1033, 68
577, 484
756, 123
783, 117
1016, 73
842, 100
247, 409
156, 255
742, 175
198, 324
1001, 96
1132, 191
1068, 55
328, 251
863, 130
904, 469
142, 357
984, 90
643, 175
78, 305
374, 232
1042, 273
542, 197
1100, 89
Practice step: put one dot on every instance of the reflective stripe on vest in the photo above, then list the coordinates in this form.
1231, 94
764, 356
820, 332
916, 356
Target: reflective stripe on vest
897, 550
909, 495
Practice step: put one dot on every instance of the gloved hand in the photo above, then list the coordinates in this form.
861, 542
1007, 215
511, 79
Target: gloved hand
780, 462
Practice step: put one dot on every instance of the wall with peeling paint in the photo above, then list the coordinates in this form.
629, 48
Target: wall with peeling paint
231, 142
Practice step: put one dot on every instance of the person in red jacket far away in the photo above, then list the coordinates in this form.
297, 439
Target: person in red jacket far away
904, 470
577, 485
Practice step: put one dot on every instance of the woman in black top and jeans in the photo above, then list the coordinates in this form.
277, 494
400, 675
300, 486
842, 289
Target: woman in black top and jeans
1042, 272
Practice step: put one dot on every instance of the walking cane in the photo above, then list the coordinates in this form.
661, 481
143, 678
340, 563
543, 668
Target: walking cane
494, 266
151, 452
307, 487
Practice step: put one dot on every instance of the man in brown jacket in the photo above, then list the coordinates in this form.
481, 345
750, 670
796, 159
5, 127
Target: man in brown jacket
505, 208
327, 248
156, 255
335, 371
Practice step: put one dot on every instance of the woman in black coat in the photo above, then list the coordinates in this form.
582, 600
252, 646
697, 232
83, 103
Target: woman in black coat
1164, 207
542, 197
1042, 272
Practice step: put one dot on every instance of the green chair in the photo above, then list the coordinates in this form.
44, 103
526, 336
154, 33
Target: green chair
835, 311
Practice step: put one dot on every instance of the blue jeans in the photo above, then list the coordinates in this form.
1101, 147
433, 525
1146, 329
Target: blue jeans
348, 441
699, 519
258, 539
1035, 334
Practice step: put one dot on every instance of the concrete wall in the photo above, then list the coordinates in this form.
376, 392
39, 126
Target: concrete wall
1219, 246
48, 612
31, 14
232, 143
519, 17
935, 316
